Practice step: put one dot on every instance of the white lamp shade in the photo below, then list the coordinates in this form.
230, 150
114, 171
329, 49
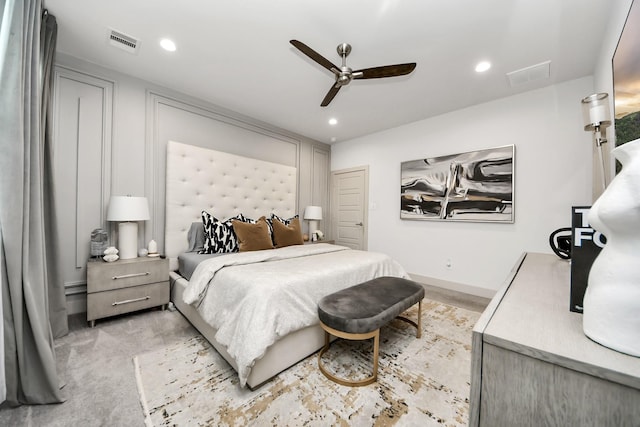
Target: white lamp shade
128, 208
313, 213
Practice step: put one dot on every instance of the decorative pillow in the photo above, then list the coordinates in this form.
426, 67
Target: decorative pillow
196, 237
287, 235
282, 220
220, 237
253, 237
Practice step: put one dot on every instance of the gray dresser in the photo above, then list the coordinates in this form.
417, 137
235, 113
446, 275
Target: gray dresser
533, 366
124, 286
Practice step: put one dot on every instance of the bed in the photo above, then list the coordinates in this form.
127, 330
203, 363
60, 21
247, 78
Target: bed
211, 294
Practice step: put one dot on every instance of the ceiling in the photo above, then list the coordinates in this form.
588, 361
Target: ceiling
236, 54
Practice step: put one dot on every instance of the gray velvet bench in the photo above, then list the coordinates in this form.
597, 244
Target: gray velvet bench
358, 313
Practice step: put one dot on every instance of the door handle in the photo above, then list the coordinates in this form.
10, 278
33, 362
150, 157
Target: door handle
359, 223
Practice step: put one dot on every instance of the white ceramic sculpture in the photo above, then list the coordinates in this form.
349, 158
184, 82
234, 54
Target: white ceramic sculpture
110, 254
612, 300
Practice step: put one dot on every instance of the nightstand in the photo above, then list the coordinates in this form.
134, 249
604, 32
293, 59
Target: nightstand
126, 285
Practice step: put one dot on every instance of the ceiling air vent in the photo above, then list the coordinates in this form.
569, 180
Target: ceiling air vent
529, 74
123, 41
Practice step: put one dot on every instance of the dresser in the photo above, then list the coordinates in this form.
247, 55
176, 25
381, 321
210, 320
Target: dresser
532, 365
124, 286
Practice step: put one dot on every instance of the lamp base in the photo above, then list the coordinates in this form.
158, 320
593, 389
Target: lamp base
313, 226
128, 240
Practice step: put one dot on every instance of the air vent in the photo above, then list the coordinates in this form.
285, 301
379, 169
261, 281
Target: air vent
529, 74
123, 41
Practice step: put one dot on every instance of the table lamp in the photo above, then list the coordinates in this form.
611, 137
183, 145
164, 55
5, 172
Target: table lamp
313, 214
126, 210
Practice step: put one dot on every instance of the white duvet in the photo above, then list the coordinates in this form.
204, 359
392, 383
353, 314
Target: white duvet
254, 298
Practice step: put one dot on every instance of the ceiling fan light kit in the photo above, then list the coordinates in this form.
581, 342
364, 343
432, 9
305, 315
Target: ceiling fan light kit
344, 74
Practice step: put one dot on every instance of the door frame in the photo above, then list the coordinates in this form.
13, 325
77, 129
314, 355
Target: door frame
365, 202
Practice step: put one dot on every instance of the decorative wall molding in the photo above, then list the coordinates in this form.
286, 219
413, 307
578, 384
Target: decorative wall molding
155, 150
74, 275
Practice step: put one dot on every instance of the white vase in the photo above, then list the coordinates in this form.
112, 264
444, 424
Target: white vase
612, 300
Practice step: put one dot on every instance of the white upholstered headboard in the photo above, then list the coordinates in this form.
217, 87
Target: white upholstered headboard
224, 185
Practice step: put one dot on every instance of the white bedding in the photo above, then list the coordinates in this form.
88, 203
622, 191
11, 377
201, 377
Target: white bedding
254, 298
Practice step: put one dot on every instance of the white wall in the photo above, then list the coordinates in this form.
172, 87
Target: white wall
553, 172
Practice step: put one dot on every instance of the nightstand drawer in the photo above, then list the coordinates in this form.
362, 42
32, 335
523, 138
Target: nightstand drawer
102, 276
119, 301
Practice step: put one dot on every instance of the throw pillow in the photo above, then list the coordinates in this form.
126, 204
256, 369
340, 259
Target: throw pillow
196, 237
282, 220
220, 237
287, 235
252, 237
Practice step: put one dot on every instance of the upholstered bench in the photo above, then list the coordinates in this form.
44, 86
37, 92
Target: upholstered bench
358, 313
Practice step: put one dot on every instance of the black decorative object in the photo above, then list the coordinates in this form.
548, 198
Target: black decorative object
560, 242
586, 244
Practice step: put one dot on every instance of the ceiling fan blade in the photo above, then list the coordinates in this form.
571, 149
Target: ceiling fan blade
315, 56
330, 95
384, 71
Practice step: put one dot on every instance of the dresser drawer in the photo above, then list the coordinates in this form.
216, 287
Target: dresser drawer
119, 301
103, 276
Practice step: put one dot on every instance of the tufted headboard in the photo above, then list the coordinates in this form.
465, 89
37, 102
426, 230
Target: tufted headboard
224, 185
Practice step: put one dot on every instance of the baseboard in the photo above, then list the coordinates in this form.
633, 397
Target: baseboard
76, 303
453, 286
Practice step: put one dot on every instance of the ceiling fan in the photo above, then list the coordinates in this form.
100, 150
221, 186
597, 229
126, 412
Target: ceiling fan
345, 74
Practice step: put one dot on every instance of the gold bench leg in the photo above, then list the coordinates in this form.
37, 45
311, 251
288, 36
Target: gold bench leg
354, 337
417, 324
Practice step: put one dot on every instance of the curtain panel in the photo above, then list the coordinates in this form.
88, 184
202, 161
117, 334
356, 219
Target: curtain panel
31, 288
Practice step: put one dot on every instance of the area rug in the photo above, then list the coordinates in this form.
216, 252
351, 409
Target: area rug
421, 382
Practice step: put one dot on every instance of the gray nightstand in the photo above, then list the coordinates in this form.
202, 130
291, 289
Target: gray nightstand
126, 285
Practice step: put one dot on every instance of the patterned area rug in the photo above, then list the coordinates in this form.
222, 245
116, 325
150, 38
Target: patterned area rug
421, 382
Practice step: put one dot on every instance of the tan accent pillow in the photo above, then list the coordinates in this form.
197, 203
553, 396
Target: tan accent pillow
286, 235
252, 237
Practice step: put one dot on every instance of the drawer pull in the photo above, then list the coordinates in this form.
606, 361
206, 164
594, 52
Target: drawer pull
130, 301
126, 276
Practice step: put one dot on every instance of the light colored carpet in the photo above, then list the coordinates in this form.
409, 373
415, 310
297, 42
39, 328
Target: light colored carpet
420, 381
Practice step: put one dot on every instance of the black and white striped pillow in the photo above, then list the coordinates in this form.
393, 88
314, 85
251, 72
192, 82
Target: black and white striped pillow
220, 237
282, 220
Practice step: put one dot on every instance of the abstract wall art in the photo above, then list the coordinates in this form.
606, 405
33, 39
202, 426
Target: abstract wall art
474, 186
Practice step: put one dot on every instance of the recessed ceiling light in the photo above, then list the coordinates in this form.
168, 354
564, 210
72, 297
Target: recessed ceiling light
483, 66
333, 139
168, 45
333, 122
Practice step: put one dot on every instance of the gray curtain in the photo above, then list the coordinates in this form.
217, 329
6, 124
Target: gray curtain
31, 288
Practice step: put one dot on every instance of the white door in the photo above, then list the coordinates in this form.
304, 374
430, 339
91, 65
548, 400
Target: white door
349, 200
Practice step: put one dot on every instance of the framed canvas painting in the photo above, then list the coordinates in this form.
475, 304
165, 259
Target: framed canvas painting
472, 186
